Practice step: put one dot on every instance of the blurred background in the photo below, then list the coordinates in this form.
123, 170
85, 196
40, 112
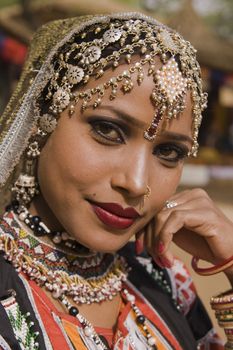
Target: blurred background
208, 25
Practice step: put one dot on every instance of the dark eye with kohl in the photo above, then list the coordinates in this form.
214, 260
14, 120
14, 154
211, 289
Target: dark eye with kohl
171, 152
112, 133
106, 131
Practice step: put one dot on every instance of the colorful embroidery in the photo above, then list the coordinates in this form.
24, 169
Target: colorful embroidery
63, 331
20, 323
182, 285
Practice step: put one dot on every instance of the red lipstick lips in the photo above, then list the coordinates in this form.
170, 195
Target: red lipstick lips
113, 215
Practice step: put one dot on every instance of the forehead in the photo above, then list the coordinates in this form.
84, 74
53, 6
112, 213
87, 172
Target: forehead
138, 103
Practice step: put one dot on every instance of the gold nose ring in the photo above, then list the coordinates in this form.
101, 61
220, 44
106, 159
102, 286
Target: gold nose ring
145, 196
148, 192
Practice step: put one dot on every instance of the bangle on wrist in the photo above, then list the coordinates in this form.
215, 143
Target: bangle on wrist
208, 271
223, 300
222, 304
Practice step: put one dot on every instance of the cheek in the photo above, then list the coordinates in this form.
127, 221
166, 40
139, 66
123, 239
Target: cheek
164, 186
71, 162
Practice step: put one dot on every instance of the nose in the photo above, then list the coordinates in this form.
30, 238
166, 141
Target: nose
131, 175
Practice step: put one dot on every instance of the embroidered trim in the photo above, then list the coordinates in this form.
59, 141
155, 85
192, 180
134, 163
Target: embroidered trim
3, 344
20, 323
33, 304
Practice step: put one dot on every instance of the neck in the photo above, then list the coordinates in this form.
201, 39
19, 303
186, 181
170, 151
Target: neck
84, 279
40, 226
40, 208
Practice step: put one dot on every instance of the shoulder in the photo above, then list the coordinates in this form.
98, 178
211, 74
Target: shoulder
176, 281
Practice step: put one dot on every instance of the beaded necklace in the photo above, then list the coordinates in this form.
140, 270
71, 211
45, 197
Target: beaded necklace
47, 266
89, 280
90, 332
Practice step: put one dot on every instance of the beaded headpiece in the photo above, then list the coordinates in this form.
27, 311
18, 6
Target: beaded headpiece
66, 54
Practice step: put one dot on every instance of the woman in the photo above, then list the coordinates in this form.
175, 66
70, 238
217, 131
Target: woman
105, 113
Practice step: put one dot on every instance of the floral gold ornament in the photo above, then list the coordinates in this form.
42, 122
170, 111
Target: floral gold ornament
25, 188
75, 74
47, 123
112, 35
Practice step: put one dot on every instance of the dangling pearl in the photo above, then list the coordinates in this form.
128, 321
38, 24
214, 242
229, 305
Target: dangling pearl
56, 294
88, 331
131, 298
22, 216
64, 236
151, 341
57, 239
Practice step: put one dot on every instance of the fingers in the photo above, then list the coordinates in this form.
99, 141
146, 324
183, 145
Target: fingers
188, 195
187, 214
149, 237
164, 261
139, 242
194, 223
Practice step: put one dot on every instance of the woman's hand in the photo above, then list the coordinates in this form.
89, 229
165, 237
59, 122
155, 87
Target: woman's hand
196, 225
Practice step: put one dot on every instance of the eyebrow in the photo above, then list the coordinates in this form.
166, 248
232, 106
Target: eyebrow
142, 125
125, 117
176, 136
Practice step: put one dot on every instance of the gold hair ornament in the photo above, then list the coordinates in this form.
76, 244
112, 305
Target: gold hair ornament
66, 54
112, 44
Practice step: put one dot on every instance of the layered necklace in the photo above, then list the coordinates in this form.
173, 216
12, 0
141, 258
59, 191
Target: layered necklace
83, 279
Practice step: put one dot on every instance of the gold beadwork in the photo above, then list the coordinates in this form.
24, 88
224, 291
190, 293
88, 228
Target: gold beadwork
79, 61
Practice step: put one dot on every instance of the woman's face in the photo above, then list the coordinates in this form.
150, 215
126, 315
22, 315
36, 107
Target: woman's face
97, 163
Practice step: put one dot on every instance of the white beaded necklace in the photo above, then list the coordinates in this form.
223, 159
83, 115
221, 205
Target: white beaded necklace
15, 254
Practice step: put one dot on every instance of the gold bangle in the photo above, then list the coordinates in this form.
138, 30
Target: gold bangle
230, 338
228, 346
226, 324
223, 312
229, 331
225, 298
224, 318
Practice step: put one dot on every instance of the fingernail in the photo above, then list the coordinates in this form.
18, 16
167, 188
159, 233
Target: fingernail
161, 247
158, 261
138, 246
166, 262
